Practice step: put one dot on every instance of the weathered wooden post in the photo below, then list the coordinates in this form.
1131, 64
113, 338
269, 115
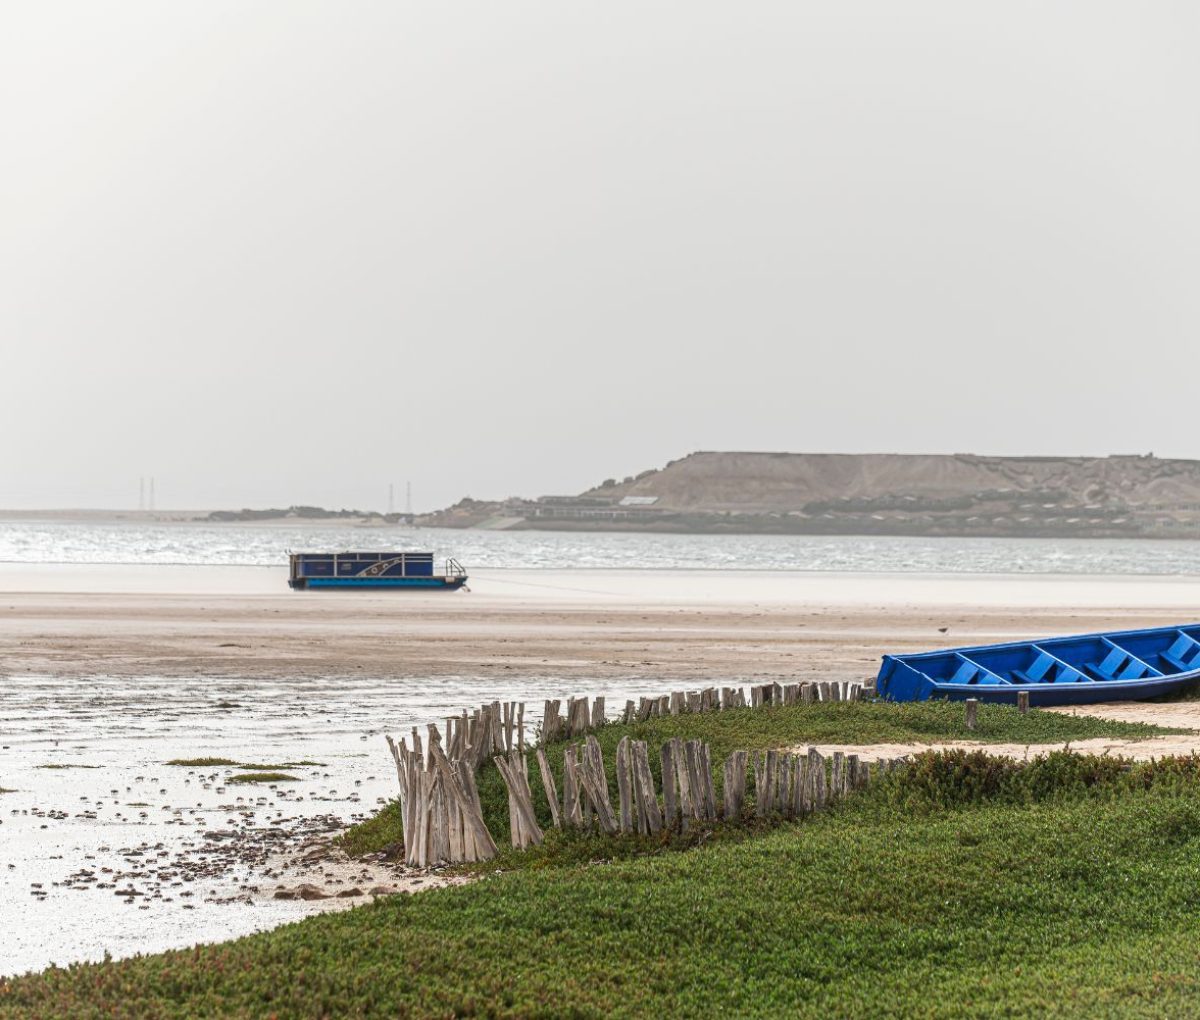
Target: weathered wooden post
687, 795
583, 718
624, 785
595, 784
551, 722
734, 786
783, 789
800, 784
857, 773
548, 784
572, 813
649, 815
669, 785
972, 712
695, 779
522, 822
1022, 702
818, 779
759, 763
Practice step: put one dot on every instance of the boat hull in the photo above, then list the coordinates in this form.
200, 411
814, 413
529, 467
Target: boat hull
376, 583
1046, 695
1076, 670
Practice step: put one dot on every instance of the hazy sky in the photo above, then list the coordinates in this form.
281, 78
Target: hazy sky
289, 252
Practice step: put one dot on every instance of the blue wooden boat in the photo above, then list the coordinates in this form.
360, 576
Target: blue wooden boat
1117, 666
373, 570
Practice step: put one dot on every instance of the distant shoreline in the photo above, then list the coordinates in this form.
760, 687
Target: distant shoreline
168, 518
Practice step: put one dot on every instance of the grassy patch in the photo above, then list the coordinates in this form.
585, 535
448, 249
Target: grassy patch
877, 722
66, 766
263, 777
282, 765
761, 729
382, 831
1064, 888
204, 763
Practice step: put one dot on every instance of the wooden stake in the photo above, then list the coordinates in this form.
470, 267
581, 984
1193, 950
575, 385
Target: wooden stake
624, 785
548, 785
686, 809
572, 813
649, 814
596, 785
819, 780
669, 785
734, 785
514, 771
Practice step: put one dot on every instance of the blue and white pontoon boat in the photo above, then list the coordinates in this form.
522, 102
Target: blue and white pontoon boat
373, 570
1118, 666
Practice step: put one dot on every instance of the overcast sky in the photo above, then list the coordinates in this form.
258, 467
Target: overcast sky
289, 252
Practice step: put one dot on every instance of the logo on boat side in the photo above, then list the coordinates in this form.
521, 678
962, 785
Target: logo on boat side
375, 569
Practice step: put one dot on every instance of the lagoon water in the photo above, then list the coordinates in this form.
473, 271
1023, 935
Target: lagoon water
188, 543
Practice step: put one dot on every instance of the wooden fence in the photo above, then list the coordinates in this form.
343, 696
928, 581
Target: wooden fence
714, 699
443, 820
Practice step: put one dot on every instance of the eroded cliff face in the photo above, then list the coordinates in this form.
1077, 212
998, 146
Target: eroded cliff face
959, 494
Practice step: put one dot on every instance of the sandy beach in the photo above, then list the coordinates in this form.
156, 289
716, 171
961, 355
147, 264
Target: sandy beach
243, 621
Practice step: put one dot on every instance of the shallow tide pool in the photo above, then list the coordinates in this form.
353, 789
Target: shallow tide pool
113, 851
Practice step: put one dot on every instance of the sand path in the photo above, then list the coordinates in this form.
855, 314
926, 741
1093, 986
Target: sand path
1177, 715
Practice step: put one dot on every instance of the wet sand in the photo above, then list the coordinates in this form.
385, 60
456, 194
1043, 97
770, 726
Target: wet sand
188, 621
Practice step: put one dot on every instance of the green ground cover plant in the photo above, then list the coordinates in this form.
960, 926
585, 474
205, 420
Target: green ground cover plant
962, 886
230, 763
68, 765
203, 763
263, 777
853, 722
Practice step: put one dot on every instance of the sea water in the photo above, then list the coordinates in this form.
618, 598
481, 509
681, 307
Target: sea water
195, 543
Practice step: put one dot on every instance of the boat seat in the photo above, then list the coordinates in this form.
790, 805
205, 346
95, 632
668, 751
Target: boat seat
1042, 671
971, 673
1038, 671
1175, 655
1117, 665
